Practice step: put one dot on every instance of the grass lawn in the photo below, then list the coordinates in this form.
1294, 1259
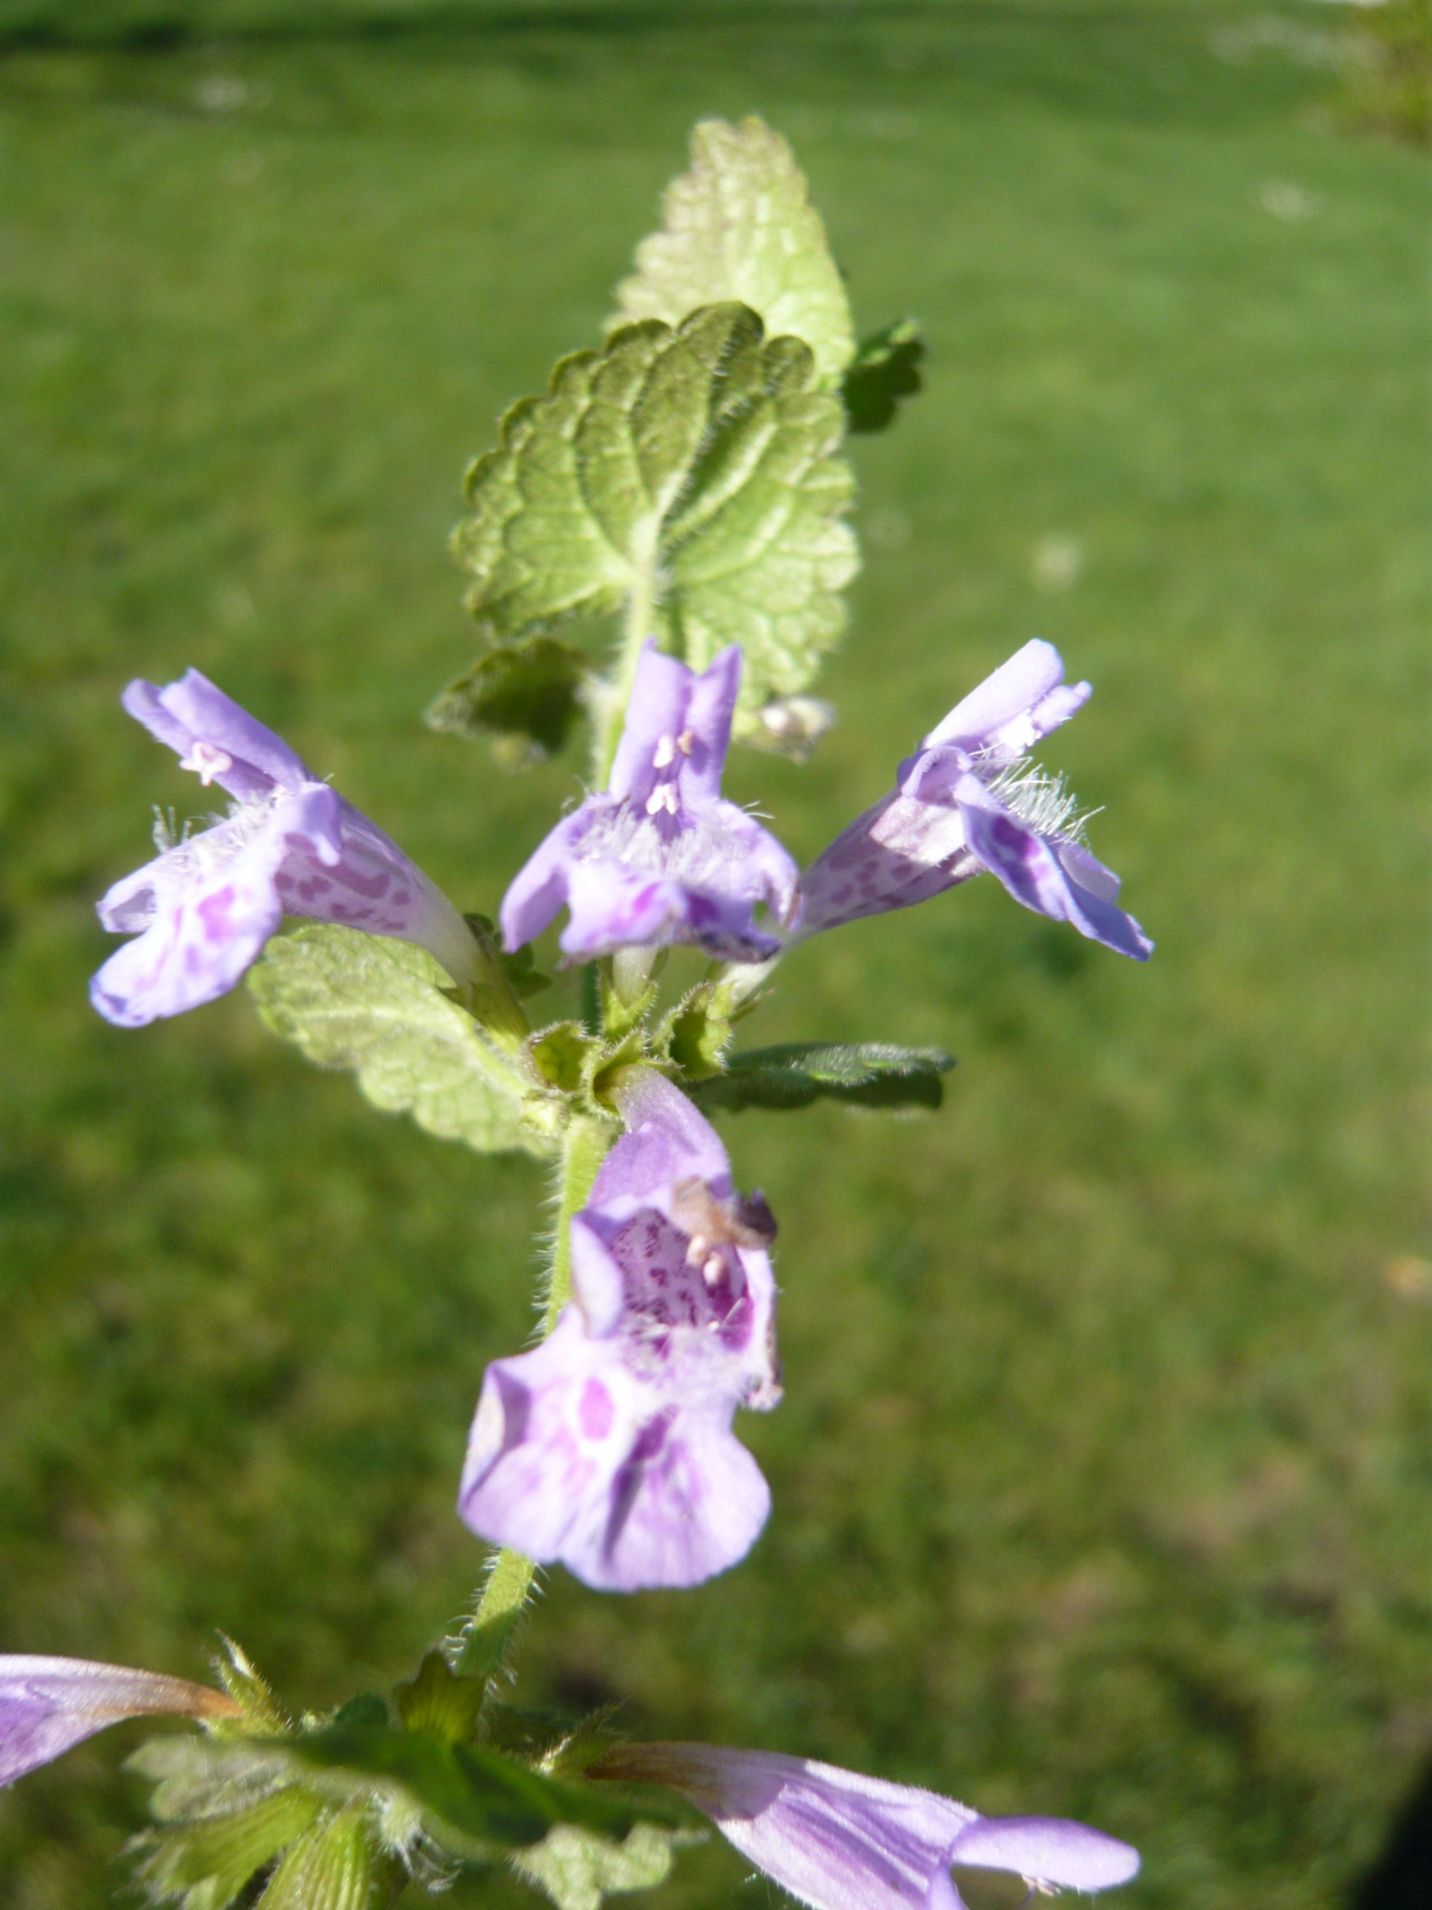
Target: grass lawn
1102, 1478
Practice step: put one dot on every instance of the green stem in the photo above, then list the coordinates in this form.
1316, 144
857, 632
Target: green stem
584, 1149
509, 1581
640, 611
592, 999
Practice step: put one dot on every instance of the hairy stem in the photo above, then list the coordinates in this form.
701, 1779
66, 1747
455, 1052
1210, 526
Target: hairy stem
583, 1151
509, 1580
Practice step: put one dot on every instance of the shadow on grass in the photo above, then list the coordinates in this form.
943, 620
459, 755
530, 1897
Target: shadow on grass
122, 26
1401, 1879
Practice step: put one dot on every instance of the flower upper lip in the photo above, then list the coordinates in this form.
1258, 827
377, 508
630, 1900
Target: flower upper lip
660, 856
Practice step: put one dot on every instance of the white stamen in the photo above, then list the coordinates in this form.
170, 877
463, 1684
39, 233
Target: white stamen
167, 831
686, 742
1044, 803
207, 761
712, 1271
697, 1249
664, 755
662, 797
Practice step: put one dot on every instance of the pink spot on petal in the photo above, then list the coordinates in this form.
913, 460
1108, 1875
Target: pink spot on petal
596, 1412
215, 912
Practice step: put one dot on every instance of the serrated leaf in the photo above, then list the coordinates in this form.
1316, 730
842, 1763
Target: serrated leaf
886, 369
578, 1869
378, 1007
530, 689
692, 473
740, 225
329, 1868
866, 1074
204, 1864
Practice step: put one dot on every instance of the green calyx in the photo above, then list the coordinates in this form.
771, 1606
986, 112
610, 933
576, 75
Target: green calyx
327, 1814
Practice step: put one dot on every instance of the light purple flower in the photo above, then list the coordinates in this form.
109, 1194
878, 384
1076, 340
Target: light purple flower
966, 802
49, 1704
660, 857
201, 912
839, 1841
608, 1448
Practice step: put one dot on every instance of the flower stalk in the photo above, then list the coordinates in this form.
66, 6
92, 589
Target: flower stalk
511, 1574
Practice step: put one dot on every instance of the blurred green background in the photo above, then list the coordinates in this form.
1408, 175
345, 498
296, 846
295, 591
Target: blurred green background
1102, 1478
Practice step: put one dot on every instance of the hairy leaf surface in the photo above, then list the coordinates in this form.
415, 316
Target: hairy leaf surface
378, 1007
684, 478
868, 1074
740, 225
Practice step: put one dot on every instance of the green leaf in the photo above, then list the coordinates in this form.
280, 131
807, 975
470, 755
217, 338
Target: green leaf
206, 1863
530, 689
198, 1777
578, 1870
378, 1007
740, 225
689, 477
886, 369
329, 1868
438, 1703
471, 1800
366, 1707
868, 1074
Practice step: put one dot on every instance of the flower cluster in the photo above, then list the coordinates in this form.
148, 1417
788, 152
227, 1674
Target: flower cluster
658, 859
608, 1447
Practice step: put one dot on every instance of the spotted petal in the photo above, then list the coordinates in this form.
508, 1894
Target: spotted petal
202, 910
961, 805
208, 922
574, 1459
609, 1447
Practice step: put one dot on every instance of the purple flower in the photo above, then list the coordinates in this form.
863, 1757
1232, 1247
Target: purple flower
840, 1841
660, 857
609, 1447
49, 1704
202, 910
965, 802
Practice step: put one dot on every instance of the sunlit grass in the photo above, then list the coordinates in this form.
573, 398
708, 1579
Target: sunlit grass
1101, 1479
